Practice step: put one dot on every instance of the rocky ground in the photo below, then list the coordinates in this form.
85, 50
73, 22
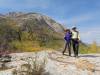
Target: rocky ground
51, 63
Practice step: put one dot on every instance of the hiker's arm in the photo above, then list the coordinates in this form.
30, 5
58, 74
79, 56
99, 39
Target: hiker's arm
79, 36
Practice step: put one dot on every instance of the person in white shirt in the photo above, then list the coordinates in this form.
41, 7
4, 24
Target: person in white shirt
75, 41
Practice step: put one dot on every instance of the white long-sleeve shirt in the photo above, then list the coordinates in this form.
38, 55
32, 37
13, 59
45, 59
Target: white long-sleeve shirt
75, 35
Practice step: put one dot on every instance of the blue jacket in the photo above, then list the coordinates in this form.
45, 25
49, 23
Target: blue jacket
68, 36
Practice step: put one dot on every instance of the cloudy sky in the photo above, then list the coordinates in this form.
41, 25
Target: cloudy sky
85, 14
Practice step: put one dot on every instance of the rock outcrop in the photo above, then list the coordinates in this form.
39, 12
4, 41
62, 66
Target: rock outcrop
52, 63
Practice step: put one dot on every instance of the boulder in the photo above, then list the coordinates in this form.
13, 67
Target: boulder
5, 58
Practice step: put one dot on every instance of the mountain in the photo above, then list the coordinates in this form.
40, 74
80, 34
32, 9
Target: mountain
18, 29
40, 19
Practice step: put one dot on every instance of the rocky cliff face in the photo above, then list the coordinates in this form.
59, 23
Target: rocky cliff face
52, 63
40, 19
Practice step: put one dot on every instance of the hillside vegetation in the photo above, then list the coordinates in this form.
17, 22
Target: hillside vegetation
91, 48
32, 32
28, 32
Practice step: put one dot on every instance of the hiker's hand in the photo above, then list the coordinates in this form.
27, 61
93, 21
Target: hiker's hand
79, 41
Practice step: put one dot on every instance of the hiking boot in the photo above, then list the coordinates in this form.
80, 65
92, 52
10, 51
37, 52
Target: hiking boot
63, 53
76, 56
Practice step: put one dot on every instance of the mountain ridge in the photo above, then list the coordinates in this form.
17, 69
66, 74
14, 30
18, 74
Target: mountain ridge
18, 28
24, 16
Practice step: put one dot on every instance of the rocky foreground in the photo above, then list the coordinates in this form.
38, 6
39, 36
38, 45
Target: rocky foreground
50, 63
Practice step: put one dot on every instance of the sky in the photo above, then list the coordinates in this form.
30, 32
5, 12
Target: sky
84, 14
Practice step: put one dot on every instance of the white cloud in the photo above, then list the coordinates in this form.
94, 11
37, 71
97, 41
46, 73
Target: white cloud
90, 35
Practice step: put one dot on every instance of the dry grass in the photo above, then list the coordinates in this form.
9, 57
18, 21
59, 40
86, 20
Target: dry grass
84, 64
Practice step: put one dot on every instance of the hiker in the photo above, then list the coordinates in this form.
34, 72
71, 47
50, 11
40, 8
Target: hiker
75, 41
68, 41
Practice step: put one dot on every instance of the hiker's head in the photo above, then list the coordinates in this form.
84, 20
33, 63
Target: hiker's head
67, 30
74, 28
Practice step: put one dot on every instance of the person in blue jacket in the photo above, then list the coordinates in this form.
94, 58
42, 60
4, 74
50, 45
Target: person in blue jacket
67, 38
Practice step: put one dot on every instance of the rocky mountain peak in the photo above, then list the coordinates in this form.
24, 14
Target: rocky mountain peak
36, 17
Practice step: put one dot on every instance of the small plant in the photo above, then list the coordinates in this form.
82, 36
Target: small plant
33, 67
37, 66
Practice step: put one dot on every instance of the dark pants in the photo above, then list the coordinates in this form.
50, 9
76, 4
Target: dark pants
68, 46
75, 45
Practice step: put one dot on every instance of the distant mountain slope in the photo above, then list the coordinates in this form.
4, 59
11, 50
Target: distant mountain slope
40, 19
32, 28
